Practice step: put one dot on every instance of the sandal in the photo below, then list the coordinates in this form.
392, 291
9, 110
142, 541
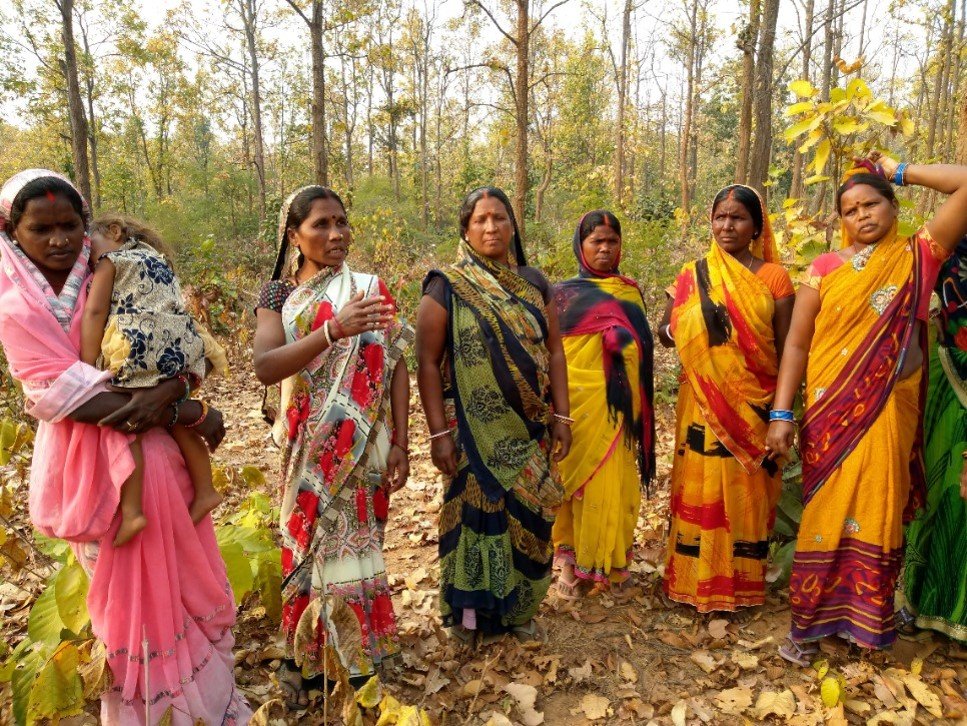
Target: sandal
801, 654
568, 589
294, 691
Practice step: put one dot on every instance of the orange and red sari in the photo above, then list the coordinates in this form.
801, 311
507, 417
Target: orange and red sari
860, 438
724, 491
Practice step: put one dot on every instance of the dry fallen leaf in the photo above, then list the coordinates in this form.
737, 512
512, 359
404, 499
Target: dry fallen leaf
526, 697
771, 703
718, 629
582, 673
628, 672
925, 697
745, 661
594, 707
678, 713
734, 701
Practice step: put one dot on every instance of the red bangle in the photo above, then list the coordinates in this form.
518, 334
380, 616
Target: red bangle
340, 333
201, 419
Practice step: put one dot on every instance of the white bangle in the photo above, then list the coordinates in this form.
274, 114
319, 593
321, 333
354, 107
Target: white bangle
325, 332
668, 332
440, 434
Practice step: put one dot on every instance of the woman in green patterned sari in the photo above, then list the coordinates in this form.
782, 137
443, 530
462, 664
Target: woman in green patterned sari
935, 575
493, 381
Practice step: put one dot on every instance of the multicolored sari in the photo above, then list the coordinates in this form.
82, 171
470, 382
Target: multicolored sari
860, 446
724, 491
609, 350
338, 431
495, 524
935, 572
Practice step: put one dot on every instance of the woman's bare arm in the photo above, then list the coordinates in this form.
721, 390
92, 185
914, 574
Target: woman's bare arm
666, 317
432, 322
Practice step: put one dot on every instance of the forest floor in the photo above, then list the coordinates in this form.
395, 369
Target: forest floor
613, 658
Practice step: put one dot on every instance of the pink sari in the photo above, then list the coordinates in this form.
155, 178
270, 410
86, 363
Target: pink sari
168, 585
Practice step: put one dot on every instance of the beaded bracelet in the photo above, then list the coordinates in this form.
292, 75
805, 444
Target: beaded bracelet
561, 418
440, 434
782, 414
900, 175
201, 419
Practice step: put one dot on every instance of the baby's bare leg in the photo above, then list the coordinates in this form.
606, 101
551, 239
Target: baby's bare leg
195, 451
132, 514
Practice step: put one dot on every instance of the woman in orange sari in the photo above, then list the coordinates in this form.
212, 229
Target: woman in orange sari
857, 334
727, 315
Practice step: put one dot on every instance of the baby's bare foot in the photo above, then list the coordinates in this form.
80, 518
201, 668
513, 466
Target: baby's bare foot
203, 504
131, 524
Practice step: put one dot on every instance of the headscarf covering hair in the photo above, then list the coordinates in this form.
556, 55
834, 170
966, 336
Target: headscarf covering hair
577, 246
515, 254
763, 246
15, 184
288, 259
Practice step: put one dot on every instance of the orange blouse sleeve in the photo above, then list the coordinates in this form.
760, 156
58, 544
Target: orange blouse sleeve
777, 279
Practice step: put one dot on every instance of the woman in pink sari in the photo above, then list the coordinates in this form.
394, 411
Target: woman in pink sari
167, 586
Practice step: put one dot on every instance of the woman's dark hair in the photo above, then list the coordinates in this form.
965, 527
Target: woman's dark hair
747, 198
46, 186
596, 219
298, 213
871, 180
470, 203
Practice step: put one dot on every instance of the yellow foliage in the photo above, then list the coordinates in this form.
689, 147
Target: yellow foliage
803, 88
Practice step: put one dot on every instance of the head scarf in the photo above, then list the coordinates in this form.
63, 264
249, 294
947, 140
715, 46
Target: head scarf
601, 302
15, 184
763, 246
61, 305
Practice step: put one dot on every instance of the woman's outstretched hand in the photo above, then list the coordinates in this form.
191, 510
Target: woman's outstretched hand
443, 452
560, 440
779, 440
362, 314
397, 469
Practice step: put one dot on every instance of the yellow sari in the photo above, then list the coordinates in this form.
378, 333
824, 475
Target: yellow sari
860, 446
595, 526
724, 491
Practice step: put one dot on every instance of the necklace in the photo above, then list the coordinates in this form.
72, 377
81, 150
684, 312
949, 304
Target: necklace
748, 264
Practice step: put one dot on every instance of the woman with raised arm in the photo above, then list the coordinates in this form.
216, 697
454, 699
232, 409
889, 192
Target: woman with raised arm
332, 338
166, 590
493, 381
858, 335
727, 316
609, 350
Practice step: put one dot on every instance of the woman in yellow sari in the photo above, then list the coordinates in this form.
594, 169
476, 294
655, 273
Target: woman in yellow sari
609, 351
727, 315
857, 334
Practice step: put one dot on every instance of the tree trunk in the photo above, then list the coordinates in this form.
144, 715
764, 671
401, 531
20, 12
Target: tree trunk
91, 122
685, 133
747, 42
522, 96
619, 155
962, 133
74, 102
248, 12
796, 189
762, 143
320, 160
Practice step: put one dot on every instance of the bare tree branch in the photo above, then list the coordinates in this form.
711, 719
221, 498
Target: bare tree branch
547, 12
490, 15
